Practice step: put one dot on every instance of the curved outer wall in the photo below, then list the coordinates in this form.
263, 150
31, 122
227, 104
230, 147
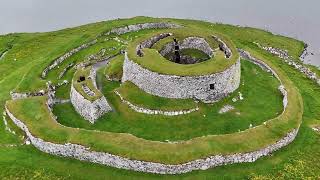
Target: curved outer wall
183, 87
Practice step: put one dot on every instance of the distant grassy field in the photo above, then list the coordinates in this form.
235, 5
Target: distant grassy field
21, 67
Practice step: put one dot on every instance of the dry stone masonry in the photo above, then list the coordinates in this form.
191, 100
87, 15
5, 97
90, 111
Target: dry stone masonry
91, 111
85, 154
223, 47
207, 88
247, 56
138, 27
189, 43
283, 54
153, 111
59, 60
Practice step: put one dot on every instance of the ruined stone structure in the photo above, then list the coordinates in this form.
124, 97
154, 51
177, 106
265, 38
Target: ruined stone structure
207, 88
91, 111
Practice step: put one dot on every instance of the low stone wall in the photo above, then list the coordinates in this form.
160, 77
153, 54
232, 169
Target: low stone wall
150, 42
23, 95
91, 111
283, 54
207, 88
59, 60
189, 43
223, 47
85, 154
154, 111
247, 56
138, 27
63, 72
196, 43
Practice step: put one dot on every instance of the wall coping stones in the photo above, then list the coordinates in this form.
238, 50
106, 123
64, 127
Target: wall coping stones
85, 154
155, 111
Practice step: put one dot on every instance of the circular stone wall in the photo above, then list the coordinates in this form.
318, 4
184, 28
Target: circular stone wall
207, 88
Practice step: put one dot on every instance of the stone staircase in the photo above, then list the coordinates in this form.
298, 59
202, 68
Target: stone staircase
87, 90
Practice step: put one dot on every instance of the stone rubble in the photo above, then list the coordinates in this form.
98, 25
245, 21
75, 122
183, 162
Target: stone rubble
23, 95
154, 111
85, 154
5, 122
226, 108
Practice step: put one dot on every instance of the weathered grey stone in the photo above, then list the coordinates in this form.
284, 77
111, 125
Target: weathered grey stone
91, 111
60, 59
138, 27
247, 56
183, 87
189, 43
223, 47
283, 54
85, 154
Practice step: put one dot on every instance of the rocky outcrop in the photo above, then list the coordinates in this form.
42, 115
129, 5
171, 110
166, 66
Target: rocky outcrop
85, 154
138, 27
155, 111
59, 60
207, 88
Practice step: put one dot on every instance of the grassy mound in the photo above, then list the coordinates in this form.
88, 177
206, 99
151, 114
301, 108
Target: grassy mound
114, 69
